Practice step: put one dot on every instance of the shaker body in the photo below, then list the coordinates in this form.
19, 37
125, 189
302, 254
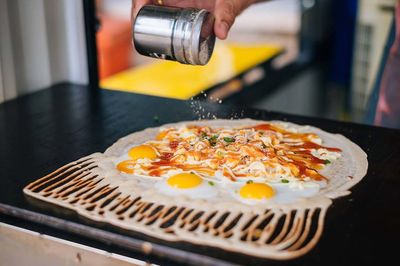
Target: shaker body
184, 35
153, 29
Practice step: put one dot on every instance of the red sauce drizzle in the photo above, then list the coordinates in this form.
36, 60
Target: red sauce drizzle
312, 145
173, 144
302, 158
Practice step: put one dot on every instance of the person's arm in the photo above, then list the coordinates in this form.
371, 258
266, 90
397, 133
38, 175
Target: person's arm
225, 11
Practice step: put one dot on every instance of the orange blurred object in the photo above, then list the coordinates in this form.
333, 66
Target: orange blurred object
114, 45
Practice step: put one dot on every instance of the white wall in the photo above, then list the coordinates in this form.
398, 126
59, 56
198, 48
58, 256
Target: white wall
8, 89
45, 44
279, 17
65, 25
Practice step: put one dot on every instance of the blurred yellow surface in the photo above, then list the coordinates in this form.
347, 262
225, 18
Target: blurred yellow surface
175, 80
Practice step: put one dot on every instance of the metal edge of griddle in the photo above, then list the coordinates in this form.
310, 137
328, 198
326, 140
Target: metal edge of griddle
144, 247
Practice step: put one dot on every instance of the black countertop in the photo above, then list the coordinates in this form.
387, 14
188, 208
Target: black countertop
45, 130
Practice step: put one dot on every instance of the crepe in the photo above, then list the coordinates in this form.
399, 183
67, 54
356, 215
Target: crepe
93, 187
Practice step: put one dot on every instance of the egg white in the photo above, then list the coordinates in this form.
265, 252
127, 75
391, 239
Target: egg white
285, 193
203, 191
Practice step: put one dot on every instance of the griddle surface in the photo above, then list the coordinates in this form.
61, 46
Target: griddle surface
45, 130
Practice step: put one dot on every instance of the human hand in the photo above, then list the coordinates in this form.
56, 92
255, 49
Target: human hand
225, 11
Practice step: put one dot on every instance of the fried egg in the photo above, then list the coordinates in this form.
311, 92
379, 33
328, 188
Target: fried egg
142, 152
256, 191
252, 193
129, 162
126, 166
187, 184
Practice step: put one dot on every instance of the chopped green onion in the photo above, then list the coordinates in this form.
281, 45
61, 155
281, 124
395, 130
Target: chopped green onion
213, 140
229, 140
203, 135
284, 181
250, 182
327, 162
211, 183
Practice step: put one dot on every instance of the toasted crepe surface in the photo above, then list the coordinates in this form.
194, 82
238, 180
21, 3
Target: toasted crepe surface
95, 189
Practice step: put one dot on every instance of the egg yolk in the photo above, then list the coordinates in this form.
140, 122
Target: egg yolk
184, 180
161, 135
257, 191
126, 166
142, 151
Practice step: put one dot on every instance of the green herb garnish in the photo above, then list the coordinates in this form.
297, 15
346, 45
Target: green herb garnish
211, 183
249, 182
203, 135
229, 140
327, 162
213, 140
284, 181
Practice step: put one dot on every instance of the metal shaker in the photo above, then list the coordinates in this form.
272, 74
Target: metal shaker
185, 35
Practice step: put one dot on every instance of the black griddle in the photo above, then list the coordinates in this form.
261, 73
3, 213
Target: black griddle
45, 130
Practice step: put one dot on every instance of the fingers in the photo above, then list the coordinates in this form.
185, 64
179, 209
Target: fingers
137, 5
225, 14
